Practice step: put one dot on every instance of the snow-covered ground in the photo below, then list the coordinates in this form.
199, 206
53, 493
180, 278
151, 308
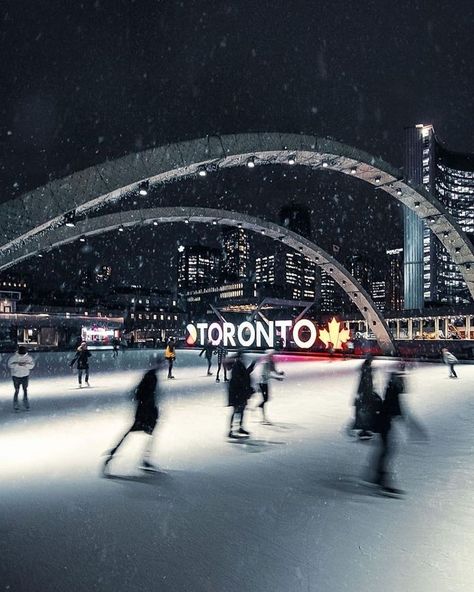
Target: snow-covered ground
285, 512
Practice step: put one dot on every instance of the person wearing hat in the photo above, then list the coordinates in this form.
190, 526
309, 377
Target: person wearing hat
269, 371
20, 365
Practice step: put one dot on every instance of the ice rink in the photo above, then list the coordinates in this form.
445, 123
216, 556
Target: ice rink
285, 511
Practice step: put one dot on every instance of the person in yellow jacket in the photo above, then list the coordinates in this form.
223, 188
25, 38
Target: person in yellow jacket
170, 356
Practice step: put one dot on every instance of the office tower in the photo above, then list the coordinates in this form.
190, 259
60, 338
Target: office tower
236, 254
198, 267
394, 280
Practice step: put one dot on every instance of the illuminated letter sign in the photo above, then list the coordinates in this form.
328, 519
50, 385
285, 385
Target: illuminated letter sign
262, 334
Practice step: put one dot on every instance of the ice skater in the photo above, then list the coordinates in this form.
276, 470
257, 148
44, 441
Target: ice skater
391, 409
170, 356
363, 398
269, 371
146, 417
20, 365
115, 347
450, 359
208, 350
82, 359
221, 353
240, 390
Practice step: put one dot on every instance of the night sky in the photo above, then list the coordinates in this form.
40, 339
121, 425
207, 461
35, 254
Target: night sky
87, 81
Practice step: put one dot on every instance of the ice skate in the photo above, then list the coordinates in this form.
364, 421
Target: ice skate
16, 407
26, 404
218, 379
244, 432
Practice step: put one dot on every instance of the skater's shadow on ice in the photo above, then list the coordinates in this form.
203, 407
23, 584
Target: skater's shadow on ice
159, 484
256, 445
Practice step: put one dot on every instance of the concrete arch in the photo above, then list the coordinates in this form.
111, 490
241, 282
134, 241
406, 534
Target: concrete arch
85, 191
57, 236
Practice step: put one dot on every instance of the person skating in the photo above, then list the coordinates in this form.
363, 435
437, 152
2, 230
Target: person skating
221, 353
450, 359
115, 347
20, 365
170, 356
82, 359
240, 390
208, 350
363, 398
146, 417
269, 371
391, 409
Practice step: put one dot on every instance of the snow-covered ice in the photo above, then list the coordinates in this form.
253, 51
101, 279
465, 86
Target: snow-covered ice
284, 512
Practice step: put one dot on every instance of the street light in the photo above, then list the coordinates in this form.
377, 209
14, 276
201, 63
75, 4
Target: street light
202, 171
251, 162
121, 228
70, 219
291, 159
143, 188
82, 239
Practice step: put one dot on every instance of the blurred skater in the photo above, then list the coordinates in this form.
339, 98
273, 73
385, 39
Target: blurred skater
115, 347
170, 356
208, 350
146, 417
269, 371
82, 359
240, 390
363, 399
450, 359
20, 365
391, 409
221, 353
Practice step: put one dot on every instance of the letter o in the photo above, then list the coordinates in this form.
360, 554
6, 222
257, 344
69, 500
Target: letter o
313, 334
241, 329
214, 327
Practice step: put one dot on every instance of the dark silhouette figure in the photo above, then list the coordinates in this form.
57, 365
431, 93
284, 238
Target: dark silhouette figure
221, 353
363, 398
240, 390
450, 359
146, 417
170, 356
391, 409
208, 350
269, 371
20, 365
115, 347
82, 359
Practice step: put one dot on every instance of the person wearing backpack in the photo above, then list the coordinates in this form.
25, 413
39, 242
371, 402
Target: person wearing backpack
449, 359
20, 365
170, 356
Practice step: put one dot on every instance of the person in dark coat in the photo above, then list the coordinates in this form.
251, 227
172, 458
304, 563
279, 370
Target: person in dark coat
221, 353
170, 356
363, 396
208, 349
390, 410
240, 390
146, 416
82, 360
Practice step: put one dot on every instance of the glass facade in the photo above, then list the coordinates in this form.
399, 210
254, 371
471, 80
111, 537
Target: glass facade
236, 257
198, 267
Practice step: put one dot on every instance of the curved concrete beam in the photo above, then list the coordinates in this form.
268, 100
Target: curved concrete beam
56, 237
43, 208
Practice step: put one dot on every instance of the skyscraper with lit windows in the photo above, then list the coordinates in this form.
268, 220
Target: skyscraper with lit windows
198, 267
429, 273
236, 254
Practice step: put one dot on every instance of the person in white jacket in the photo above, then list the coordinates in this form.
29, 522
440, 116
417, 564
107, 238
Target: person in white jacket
450, 359
21, 364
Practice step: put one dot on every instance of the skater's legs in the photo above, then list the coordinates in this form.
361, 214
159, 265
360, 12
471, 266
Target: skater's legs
79, 376
219, 364
16, 386
209, 364
264, 391
117, 446
170, 367
452, 372
385, 453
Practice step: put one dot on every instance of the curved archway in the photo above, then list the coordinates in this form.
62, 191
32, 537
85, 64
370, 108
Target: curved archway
58, 236
45, 207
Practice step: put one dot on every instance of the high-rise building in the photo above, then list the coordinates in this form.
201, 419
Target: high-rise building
361, 268
198, 267
327, 293
378, 291
429, 273
291, 274
394, 280
103, 274
236, 256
